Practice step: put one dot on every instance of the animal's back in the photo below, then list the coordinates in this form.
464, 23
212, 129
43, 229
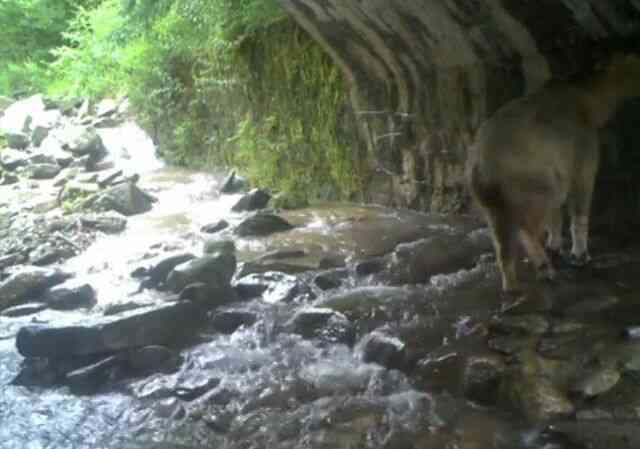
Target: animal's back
528, 148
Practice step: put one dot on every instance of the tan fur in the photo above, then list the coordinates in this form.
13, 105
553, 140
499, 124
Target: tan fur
539, 153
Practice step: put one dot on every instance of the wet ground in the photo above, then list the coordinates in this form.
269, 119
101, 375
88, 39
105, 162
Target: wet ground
416, 368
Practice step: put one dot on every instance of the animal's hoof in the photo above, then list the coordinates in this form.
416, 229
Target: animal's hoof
579, 260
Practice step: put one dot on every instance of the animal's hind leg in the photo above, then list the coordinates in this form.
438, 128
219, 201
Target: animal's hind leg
580, 209
531, 239
506, 245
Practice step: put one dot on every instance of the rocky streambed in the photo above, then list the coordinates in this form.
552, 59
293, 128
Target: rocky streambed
144, 306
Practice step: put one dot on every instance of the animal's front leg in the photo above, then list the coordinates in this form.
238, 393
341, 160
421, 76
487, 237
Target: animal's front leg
580, 208
554, 238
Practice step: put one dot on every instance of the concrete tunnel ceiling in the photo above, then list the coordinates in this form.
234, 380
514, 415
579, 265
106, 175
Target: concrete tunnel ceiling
424, 74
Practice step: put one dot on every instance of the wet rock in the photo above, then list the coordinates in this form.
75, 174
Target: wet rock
282, 254
214, 270
195, 386
329, 280
416, 262
88, 379
8, 179
108, 178
289, 201
27, 282
597, 381
524, 324
509, 344
65, 175
144, 327
482, 376
42, 158
591, 307
24, 309
108, 223
106, 107
121, 307
81, 141
248, 268
9, 260
70, 295
42, 124
384, 349
600, 434
219, 246
201, 294
254, 200
540, 401
73, 190
212, 228
324, 324
371, 266
11, 159
329, 261
228, 321
234, 183
262, 224
158, 270
16, 122
48, 253
273, 287
372, 307
152, 359
125, 198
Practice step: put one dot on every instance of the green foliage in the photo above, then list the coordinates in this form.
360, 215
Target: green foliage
217, 82
29, 30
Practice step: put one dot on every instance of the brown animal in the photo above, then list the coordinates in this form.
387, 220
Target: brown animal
539, 153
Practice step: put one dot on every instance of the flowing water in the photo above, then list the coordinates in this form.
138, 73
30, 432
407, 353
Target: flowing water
265, 387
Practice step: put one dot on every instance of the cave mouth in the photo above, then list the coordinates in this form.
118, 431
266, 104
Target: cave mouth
616, 202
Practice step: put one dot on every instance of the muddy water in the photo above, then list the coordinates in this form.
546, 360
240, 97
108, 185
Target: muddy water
269, 388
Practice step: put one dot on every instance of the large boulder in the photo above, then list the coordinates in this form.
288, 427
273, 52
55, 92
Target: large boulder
82, 140
27, 282
43, 171
44, 122
417, 261
16, 123
262, 224
125, 198
254, 200
11, 159
143, 327
70, 295
215, 271
158, 269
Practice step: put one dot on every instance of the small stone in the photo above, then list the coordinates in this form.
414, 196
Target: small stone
526, 324
383, 349
24, 309
233, 183
330, 279
228, 321
214, 270
212, 228
371, 266
151, 359
324, 324
597, 382
482, 377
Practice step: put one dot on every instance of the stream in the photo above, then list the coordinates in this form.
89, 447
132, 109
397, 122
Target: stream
403, 361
